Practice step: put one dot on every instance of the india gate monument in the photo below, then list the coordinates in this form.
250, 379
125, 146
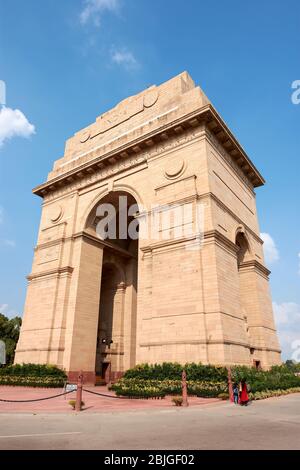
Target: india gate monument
149, 247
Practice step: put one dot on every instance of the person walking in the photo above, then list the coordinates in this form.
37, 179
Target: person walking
244, 398
235, 391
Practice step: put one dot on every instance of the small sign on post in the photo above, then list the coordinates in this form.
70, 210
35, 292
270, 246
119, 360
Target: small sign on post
2, 353
71, 387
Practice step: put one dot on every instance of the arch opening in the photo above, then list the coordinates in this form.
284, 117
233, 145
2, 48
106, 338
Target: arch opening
243, 248
113, 222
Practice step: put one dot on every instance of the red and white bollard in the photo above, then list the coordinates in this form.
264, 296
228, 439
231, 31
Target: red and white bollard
79, 392
184, 390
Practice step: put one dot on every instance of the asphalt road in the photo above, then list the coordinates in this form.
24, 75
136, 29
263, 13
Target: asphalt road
267, 424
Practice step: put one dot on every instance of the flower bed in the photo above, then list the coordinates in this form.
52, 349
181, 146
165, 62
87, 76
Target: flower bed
173, 371
273, 393
47, 382
137, 389
159, 388
277, 378
204, 380
32, 375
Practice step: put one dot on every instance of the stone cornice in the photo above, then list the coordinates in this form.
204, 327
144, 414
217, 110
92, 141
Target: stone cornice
50, 272
207, 342
256, 266
209, 236
227, 209
206, 115
105, 244
215, 235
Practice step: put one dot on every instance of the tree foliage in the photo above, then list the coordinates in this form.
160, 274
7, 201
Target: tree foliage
9, 333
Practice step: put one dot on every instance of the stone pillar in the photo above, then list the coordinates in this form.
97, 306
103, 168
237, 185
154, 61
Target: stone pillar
256, 302
118, 328
83, 312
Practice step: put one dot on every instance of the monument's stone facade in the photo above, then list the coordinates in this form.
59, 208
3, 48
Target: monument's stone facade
102, 306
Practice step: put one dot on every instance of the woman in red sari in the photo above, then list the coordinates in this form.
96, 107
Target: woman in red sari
244, 398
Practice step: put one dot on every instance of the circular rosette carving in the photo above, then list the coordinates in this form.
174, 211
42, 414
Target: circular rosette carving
150, 98
174, 169
56, 214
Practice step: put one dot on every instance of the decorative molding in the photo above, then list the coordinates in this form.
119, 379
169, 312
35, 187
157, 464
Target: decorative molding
174, 170
57, 213
105, 244
96, 176
51, 272
254, 265
216, 236
39, 349
208, 342
206, 114
191, 177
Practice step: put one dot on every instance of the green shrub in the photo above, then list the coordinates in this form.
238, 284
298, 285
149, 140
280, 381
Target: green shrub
173, 371
32, 370
137, 390
223, 396
205, 380
177, 401
73, 403
141, 388
32, 375
273, 393
277, 378
47, 382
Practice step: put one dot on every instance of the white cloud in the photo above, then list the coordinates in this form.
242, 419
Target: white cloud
10, 243
93, 10
287, 318
270, 250
13, 123
3, 308
9, 313
124, 58
286, 313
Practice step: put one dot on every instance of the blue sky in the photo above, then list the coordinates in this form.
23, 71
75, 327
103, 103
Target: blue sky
65, 62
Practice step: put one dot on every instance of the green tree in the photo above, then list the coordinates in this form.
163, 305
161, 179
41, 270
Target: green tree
9, 333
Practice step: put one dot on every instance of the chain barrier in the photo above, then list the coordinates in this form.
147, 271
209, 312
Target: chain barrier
36, 399
102, 394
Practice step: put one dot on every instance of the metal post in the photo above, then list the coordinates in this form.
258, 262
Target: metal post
79, 392
230, 389
184, 390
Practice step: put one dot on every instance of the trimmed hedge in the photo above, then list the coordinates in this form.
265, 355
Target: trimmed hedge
140, 390
173, 371
32, 370
158, 388
273, 393
277, 378
43, 382
32, 375
203, 380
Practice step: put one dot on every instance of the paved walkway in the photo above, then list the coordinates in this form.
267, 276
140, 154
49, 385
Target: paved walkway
265, 424
93, 403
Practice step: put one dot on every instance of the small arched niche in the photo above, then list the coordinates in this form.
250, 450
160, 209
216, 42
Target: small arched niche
243, 252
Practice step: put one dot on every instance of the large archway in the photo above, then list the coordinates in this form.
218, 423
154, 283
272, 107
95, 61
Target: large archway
113, 222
